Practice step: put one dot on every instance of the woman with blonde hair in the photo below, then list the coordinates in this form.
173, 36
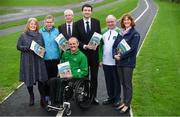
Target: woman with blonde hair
32, 67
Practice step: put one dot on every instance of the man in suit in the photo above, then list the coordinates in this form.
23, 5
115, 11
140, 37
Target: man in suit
67, 29
85, 28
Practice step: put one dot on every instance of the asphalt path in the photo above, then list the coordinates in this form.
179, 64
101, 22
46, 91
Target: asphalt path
17, 103
20, 28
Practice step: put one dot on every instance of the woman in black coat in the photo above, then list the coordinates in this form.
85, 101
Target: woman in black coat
32, 67
126, 61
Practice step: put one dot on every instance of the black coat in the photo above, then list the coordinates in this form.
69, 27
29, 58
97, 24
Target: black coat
32, 67
84, 38
128, 59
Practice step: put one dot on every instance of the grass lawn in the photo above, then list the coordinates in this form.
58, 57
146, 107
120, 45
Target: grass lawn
37, 2
157, 76
5, 11
40, 18
9, 61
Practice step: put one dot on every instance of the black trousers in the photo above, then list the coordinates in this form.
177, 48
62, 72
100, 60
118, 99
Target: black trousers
113, 85
125, 74
93, 65
51, 66
52, 70
57, 86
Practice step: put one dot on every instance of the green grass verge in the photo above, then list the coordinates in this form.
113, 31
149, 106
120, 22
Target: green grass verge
37, 2
157, 76
7, 11
9, 61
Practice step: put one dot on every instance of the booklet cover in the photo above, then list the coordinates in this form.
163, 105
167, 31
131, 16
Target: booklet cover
39, 50
95, 40
64, 70
62, 42
123, 47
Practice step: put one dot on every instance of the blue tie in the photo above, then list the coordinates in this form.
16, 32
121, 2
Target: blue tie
69, 30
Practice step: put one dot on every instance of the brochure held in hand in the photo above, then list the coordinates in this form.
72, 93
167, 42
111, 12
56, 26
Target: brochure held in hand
62, 42
39, 50
123, 47
95, 40
64, 70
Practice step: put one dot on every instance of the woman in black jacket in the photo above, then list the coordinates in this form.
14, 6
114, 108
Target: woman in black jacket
126, 61
32, 67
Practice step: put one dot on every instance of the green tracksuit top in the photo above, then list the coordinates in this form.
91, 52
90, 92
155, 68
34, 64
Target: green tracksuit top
78, 63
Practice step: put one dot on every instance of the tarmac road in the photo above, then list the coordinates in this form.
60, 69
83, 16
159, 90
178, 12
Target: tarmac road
21, 27
17, 103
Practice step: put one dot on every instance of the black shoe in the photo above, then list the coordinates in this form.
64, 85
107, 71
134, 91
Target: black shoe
107, 101
122, 112
95, 101
31, 100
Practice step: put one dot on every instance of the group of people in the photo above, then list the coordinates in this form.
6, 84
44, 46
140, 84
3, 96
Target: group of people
84, 61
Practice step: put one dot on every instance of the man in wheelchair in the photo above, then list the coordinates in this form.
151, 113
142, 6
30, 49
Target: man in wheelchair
62, 88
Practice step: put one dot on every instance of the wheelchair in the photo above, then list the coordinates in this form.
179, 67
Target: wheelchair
78, 90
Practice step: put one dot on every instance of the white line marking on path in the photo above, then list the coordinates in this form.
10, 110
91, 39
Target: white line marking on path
148, 31
147, 7
137, 19
11, 93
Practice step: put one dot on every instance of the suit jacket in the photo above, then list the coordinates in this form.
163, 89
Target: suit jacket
81, 32
63, 29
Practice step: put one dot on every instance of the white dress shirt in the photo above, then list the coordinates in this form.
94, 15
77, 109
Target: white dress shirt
71, 25
85, 20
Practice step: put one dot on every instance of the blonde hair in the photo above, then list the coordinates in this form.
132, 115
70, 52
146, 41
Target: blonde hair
28, 22
111, 16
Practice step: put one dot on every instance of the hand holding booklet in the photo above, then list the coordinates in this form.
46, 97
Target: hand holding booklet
95, 41
39, 50
64, 70
62, 42
122, 47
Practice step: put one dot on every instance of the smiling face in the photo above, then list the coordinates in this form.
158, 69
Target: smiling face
87, 12
68, 15
32, 26
111, 22
127, 22
73, 44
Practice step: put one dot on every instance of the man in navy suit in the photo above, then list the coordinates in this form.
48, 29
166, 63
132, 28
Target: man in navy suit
68, 28
85, 28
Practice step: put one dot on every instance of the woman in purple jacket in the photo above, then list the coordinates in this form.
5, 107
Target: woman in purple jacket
126, 61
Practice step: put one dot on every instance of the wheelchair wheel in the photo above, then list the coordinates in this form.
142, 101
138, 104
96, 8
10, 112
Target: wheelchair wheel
83, 95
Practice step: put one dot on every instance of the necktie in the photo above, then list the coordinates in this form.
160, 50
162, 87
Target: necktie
69, 30
109, 35
87, 27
